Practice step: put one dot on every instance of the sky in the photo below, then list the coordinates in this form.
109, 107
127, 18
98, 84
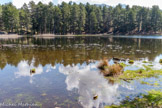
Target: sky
146, 3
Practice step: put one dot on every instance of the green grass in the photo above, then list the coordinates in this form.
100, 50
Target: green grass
153, 98
140, 73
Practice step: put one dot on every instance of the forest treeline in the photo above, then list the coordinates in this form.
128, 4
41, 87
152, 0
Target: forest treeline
72, 18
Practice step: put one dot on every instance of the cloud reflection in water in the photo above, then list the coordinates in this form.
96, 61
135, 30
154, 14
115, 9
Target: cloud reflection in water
24, 70
90, 82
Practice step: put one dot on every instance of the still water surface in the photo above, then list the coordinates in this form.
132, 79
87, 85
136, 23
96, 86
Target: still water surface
66, 70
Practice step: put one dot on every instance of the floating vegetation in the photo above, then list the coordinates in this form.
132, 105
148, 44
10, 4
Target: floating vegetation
123, 65
147, 83
151, 100
32, 71
110, 70
131, 61
144, 62
144, 71
160, 61
95, 97
140, 73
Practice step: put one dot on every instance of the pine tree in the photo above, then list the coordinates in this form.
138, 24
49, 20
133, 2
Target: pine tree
1, 22
10, 17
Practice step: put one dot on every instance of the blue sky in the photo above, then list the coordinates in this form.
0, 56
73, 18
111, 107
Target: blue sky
146, 3
4, 1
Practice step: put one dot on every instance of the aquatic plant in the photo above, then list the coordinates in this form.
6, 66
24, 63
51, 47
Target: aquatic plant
131, 61
151, 84
144, 62
103, 64
151, 100
110, 70
140, 73
160, 61
123, 65
95, 97
32, 71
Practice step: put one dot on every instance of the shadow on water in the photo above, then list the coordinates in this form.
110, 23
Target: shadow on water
66, 73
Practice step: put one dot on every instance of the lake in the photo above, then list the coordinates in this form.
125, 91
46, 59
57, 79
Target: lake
66, 74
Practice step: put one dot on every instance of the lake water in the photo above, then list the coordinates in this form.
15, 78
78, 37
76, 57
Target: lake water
66, 74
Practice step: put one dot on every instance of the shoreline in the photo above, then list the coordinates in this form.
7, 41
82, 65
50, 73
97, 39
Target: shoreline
10, 36
14, 36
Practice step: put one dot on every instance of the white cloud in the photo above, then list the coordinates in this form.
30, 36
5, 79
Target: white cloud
146, 3
19, 3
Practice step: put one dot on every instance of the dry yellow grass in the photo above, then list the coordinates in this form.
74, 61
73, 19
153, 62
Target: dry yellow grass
110, 70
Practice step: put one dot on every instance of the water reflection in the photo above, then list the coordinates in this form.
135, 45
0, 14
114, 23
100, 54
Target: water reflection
89, 83
64, 72
157, 58
76, 50
24, 70
62, 84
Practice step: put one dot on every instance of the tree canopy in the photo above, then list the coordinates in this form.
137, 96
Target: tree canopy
72, 18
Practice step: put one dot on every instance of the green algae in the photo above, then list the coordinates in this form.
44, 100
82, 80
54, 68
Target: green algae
131, 61
151, 84
151, 100
123, 65
140, 73
145, 83
145, 62
160, 61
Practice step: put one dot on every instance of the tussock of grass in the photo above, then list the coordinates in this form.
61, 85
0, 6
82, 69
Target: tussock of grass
110, 70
